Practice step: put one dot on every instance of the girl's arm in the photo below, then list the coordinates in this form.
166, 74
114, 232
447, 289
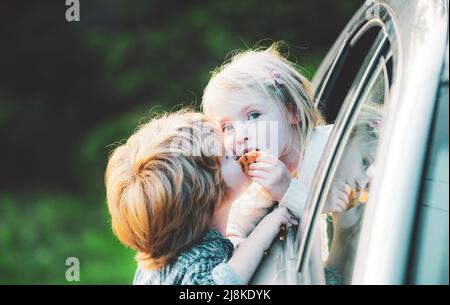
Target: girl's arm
249, 253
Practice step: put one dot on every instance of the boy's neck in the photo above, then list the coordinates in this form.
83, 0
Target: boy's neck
220, 219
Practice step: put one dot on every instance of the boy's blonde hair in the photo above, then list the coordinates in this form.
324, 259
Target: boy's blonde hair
164, 185
266, 71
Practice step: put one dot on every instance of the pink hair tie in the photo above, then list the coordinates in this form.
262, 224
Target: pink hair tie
277, 79
375, 123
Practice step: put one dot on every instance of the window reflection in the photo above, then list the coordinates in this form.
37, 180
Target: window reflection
350, 190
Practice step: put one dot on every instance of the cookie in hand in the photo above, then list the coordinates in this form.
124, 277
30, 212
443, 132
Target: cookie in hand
246, 159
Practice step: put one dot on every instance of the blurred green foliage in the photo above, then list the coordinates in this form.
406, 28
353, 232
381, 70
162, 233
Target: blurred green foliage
70, 91
38, 234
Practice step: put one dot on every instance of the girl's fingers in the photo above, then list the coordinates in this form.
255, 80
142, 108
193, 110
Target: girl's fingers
340, 206
343, 197
287, 218
267, 158
293, 221
260, 181
345, 205
282, 211
261, 166
285, 211
347, 189
284, 219
259, 173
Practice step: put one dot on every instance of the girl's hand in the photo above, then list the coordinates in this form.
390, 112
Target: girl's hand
268, 228
248, 254
271, 174
338, 198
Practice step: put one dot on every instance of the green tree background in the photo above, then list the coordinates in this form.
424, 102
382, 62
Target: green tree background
70, 90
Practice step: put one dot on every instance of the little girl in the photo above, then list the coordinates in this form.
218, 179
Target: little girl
261, 101
356, 169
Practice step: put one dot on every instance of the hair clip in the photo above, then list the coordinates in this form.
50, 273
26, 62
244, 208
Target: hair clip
277, 79
375, 123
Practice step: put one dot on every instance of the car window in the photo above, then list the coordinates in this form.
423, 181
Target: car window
333, 88
349, 194
331, 239
335, 238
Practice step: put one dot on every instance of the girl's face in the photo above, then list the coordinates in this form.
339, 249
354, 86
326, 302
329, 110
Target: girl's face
357, 164
249, 122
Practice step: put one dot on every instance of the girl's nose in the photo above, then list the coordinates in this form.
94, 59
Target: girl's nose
241, 134
241, 140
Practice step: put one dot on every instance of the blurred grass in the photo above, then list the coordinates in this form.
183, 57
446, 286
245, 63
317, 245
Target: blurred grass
40, 233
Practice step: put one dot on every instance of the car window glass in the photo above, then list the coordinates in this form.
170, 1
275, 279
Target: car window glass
336, 87
349, 194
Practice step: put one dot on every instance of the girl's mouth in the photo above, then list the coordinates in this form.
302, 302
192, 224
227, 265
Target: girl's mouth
245, 151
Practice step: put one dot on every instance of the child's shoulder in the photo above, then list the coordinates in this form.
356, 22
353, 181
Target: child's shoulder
212, 246
314, 150
320, 137
324, 130
211, 251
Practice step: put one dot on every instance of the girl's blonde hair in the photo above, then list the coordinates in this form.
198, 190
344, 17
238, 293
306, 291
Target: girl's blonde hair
266, 71
164, 185
368, 123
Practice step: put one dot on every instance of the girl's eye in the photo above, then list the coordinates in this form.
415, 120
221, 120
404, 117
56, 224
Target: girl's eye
253, 115
227, 128
365, 163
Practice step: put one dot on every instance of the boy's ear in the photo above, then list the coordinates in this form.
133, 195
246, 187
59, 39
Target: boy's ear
294, 119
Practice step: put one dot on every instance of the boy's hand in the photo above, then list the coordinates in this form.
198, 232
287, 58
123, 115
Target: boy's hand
270, 226
338, 198
271, 174
247, 256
